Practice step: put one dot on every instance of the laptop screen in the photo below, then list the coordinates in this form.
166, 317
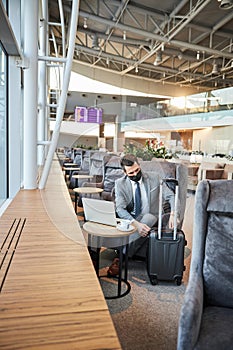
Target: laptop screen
100, 211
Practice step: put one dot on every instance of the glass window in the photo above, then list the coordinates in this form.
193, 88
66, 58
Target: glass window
3, 129
5, 3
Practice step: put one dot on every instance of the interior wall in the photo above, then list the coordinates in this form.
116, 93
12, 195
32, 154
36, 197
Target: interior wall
183, 138
147, 86
68, 140
109, 144
165, 137
214, 140
88, 141
209, 140
111, 104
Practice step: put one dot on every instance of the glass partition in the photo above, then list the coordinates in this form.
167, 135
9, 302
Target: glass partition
3, 129
204, 102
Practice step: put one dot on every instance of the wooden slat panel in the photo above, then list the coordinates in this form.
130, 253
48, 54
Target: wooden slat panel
65, 331
51, 297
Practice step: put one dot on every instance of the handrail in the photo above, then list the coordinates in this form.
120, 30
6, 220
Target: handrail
63, 97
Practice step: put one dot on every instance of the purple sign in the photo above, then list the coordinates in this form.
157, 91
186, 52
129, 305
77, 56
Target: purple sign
88, 115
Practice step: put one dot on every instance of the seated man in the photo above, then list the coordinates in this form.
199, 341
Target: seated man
142, 212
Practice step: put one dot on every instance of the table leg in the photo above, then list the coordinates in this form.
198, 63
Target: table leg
126, 261
120, 279
76, 197
120, 271
97, 255
75, 202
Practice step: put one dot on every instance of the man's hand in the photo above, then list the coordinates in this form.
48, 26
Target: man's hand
143, 229
171, 220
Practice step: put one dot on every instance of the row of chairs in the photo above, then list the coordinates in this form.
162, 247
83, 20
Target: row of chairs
104, 168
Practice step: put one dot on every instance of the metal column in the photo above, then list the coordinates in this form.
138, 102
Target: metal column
30, 100
63, 97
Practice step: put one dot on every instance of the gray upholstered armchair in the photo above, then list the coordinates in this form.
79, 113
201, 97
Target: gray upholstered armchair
206, 319
166, 169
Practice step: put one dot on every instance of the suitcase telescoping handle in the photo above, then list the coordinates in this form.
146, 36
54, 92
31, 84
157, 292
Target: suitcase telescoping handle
173, 182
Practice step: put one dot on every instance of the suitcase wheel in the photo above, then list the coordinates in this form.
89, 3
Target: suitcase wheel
178, 281
153, 280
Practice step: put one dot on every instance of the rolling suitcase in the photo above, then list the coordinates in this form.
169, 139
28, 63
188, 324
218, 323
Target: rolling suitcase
165, 258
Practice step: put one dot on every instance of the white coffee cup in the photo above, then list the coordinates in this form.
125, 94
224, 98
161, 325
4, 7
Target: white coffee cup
124, 224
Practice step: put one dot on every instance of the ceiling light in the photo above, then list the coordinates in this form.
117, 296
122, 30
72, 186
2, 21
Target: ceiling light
124, 35
85, 23
107, 61
215, 69
158, 58
95, 42
136, 69
226, 4
198, 55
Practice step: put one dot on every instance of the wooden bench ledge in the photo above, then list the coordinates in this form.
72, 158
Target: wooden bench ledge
50, 296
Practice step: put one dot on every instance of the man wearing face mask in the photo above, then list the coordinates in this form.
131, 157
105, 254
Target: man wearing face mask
142, 210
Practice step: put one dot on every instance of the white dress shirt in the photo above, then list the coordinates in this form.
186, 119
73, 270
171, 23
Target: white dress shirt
144, 199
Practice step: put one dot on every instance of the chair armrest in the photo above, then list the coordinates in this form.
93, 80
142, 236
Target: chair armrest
113, 194
191, 314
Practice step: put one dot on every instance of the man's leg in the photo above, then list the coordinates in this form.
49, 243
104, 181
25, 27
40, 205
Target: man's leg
137, 243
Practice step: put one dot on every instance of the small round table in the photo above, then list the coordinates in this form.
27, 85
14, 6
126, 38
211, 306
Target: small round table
72, 168
100, 235
69, 165
81, 177
86, 190
68, 170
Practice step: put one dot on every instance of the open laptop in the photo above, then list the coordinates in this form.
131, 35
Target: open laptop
101, 211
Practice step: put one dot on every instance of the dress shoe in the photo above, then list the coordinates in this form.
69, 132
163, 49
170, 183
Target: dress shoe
113, 269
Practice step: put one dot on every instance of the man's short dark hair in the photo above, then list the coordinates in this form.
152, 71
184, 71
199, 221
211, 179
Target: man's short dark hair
128, 160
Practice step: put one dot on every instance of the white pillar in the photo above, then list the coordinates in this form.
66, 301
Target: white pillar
42, 86
30, 81
119, 137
